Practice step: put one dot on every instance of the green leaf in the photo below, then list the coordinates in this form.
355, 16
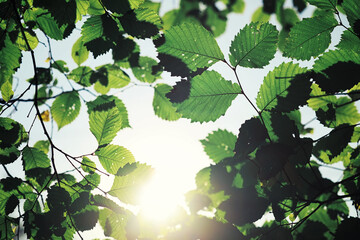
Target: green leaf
61, 66
102, 201
192, 44
144, 72
97, 104
349, 41
8, 155
81, 75
42, 145
31, 39
34, 158
254, 46
333, 56
318, 98
162, 105
87, 165
12, 133
332, 145
277, 84
113, 157
260, 16
95, 8
215, 21
92, 29
352, 10
210, 96
105, 124
324, 4
109, 76
126, 188
66, 108
49, 26
79, 52
6, 91
10, 56
219, 145
113, 224
81, 8
310, 37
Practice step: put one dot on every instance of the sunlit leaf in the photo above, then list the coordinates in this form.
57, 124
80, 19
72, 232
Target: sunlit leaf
323, 4
79, 52
34, 158
182, 43
113, 157
254, 46
260, 16
281, 88
144, 72
81, 75
210, 96
219, 145
126, 188
66, 108
352, 10
6, 91
310, 37
31, 39
163, 108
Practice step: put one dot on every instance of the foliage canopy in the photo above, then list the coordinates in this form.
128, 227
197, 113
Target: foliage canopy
270, 168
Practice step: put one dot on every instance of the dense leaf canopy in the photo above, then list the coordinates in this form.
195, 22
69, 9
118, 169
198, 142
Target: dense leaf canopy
269, 170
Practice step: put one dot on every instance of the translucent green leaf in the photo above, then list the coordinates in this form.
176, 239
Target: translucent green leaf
323, 4
219, 145
310, 37
105, 124
113, 157
4, 196
66, 108
349, 41
81, 75
34, 158
97, 103
92, 29
95, 8
113, 224
6, 91
162, 105
193, 44
254, 46
79, 52
144, 72
31, 39
126, 188
87, 165
238, 6
215, 21
102, 201
61, 66
81, 8
210, 96
333, 56
260, 16
42, 145
49, 26
276, 85
109, 76
352, 10
10, 56
346, 112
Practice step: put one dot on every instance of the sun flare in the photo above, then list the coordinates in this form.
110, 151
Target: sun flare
160, 197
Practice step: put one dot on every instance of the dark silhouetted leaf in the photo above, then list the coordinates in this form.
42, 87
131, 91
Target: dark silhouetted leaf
180, 91
348, 229
86, 219
11, 204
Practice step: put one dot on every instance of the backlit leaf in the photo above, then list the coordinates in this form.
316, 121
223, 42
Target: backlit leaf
254, 46
6, 91
86, 219
323, 4
310, 37
277, 88
352, 10
210, 96
113, 157
126, 188
163, 108
144, 72
219, 145
66, 108
192, 44
79, 52
34, 158
105, 124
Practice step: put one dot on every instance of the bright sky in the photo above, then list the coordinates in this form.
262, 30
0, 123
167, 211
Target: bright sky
172, 148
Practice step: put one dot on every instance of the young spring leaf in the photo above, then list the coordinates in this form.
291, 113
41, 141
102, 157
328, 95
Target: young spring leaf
324, 4
105, 124
81, 75
66, 108
113, 223
126, 188
219, 145
277, 91
113, 157
310, 37
97, 104
162, 105
34, 158
144, 72
79, 52
192, 44
210, 96
109, 76
6, 91
254, 46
